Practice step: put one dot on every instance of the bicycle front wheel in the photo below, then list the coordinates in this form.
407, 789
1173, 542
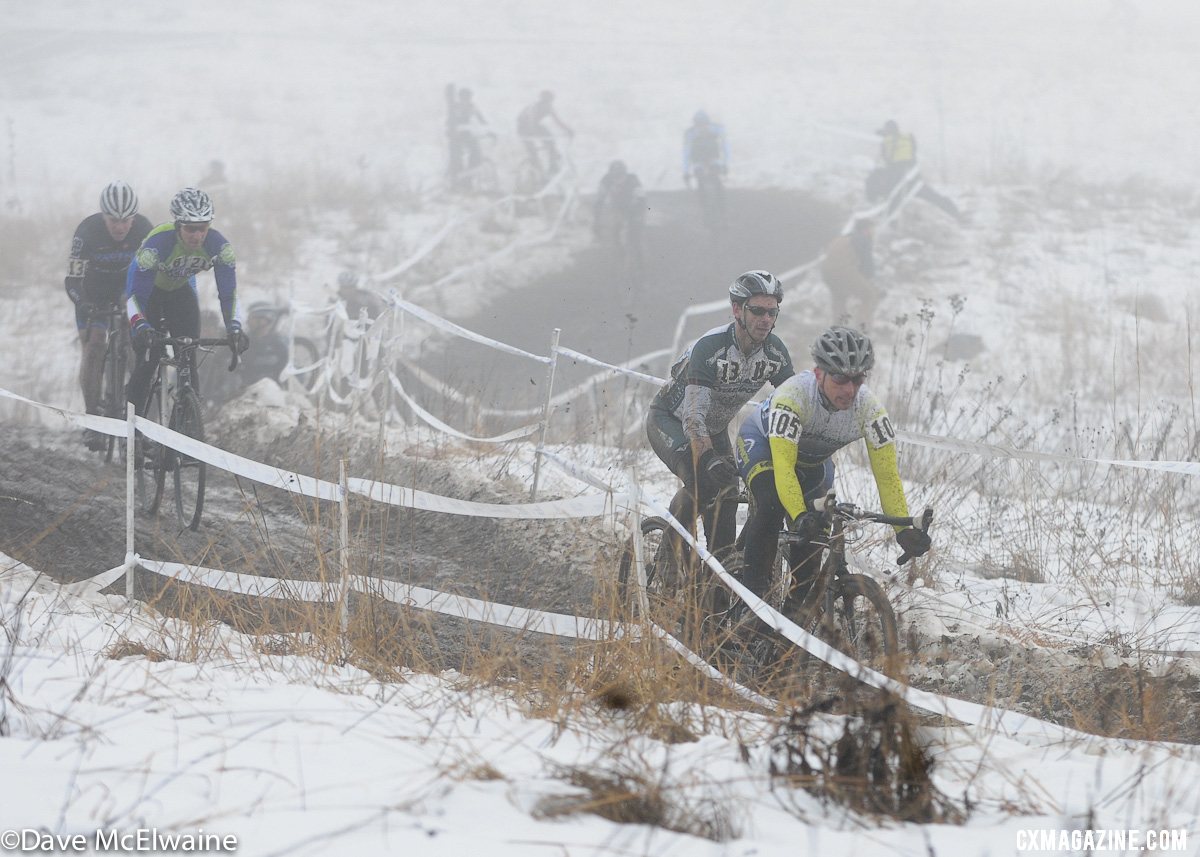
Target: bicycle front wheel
151, 462
860, 622
189, 472
662, 571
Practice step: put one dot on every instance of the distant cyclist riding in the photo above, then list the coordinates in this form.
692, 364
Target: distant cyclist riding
101, 251
538, 137
160, 288
706, 160
464, 127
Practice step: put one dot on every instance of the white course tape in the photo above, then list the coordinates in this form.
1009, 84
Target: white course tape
613, 370
429, 418
278, 589
424, 250
590, 506
990, 450
450, 327
460, 606
296, 483
559, 399
712, 672
516, 618
104, 425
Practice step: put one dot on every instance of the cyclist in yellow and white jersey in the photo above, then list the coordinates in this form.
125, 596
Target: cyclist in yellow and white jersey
784, 449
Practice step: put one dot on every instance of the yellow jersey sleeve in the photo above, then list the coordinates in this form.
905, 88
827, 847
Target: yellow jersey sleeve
880, 437
784, 427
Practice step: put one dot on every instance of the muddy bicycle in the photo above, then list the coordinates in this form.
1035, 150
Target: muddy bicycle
849, 611
174, 402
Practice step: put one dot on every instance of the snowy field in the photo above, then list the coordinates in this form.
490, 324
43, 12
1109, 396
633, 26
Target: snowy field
1059, 321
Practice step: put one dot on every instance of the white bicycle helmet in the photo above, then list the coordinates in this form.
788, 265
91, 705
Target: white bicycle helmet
118, 200
844, 350
191, 205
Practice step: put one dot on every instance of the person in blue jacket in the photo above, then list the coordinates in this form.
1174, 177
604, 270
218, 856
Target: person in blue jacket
160, 289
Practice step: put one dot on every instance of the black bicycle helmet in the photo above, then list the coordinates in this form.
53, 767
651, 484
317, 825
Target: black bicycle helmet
844, 350
754, 283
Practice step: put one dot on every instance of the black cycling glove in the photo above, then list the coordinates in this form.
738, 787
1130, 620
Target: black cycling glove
718, 471
915, 542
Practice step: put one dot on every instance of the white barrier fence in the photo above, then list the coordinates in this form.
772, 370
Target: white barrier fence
611, 500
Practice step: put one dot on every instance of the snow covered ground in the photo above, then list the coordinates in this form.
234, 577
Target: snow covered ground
1057, 126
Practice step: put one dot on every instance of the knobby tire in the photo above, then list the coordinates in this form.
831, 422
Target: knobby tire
189, 473
152, 469
859, 621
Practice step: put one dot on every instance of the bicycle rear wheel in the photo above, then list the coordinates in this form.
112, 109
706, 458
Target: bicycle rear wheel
151, 469
859, 621
189, 473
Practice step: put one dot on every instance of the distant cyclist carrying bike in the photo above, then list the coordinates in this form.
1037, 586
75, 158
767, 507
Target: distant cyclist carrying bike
689, 418
160, 289
101, 250
784, 449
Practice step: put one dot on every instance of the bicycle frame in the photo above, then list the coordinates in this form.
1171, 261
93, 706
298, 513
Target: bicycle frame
178, 408
182, 347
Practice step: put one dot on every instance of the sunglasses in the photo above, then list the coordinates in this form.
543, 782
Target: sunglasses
194, 227
760, 311
842, 380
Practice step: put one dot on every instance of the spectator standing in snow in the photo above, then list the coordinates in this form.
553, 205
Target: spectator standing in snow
848, 271
898, 161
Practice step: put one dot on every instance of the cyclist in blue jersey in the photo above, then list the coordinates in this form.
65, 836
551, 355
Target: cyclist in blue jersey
101, 250
160, 289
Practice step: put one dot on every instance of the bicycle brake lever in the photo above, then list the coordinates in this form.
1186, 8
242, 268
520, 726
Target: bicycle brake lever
903, 558
236, 358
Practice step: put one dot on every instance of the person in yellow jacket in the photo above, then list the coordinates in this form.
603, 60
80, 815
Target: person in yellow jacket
898, 164
784, 448
848, 270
